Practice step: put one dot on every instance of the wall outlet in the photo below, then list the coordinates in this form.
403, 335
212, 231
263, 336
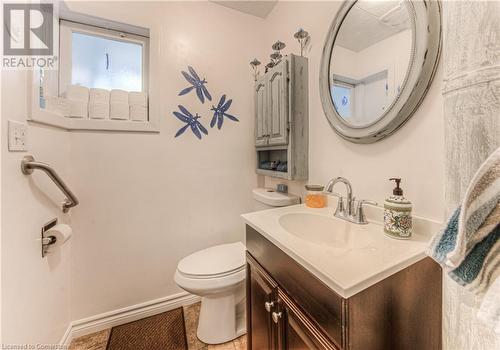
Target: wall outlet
18, 133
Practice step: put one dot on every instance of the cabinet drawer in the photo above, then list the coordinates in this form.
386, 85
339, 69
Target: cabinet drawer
316, 300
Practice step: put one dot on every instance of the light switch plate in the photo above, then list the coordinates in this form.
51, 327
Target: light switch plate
18, 134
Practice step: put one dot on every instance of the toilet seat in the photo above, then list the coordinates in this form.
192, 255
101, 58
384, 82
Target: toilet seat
212, 270
217, 275
214, 262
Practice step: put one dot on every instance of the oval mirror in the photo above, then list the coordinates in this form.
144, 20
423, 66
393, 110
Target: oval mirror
378, 62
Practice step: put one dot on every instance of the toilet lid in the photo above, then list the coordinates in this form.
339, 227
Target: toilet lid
218, 260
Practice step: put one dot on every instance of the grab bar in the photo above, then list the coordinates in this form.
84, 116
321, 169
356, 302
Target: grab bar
28, 165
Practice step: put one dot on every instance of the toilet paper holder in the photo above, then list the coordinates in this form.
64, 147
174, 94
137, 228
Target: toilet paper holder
49, 240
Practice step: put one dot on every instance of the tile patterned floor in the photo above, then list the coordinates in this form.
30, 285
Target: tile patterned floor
99, 340
94, 341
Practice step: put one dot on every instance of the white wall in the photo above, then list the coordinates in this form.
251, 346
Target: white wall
370, 97
149, 200
146, 200
415, 153
391, 54
35, 291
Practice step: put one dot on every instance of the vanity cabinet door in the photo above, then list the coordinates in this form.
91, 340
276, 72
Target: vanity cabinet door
278, 104
261, 303
261, 112
297, 331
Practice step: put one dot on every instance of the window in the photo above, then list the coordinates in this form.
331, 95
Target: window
105, 63
97, 53
100, 58
342, 95
100, 54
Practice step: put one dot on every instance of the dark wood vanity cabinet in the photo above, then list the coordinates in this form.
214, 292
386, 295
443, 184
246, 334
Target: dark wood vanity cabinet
289, 308
262, 302
275, 321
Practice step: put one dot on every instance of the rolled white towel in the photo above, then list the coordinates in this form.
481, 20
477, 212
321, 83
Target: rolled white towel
59, 105
137, 98
119, 111
78, 93
78, 109
118, 96
99, 111
99, 104
99, 96
138, 113
78, 99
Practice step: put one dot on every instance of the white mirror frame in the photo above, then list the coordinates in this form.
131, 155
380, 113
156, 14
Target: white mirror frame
426, 22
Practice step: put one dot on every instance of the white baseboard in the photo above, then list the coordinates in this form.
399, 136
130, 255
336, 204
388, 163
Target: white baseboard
127, 314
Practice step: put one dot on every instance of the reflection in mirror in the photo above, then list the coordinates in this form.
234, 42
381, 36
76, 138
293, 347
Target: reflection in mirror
370, 59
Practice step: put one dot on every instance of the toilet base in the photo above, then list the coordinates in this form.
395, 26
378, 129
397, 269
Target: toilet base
222, 318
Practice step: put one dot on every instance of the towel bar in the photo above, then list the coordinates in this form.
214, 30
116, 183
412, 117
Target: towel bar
28, 165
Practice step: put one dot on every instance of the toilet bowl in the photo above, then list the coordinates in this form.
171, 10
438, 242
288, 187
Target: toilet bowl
217, 274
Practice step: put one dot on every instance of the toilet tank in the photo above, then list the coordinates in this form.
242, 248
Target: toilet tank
267, 198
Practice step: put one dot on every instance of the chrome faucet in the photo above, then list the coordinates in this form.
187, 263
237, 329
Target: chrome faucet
349, 199
352, 212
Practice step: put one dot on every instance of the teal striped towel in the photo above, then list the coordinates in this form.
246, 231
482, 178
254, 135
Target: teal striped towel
468, 248
480, 265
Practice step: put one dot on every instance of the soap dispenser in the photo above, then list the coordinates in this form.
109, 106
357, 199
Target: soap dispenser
397, 214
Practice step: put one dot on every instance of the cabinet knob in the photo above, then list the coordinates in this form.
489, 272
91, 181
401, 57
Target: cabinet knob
276, 316
268, 305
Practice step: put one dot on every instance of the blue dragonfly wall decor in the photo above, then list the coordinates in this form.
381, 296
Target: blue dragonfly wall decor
191, 121
221, 111
197, 84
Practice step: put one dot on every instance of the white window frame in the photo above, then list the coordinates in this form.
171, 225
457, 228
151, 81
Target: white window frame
66, 30
57, 87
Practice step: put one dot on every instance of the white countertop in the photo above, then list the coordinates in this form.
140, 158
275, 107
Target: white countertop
357, 258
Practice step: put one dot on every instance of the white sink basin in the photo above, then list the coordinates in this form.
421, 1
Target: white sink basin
346, 257
338, 235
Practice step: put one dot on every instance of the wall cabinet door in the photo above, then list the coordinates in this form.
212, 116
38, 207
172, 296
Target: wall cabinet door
261, 303
260, 98
278, 104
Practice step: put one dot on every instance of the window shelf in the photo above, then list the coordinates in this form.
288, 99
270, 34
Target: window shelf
75, 124
55, 81
52, 118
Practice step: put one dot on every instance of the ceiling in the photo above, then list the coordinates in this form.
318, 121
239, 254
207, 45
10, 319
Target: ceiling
256, 8
369, 22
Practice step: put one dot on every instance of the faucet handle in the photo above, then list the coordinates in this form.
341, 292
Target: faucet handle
331, 193
340, 207
360, 214
365, 201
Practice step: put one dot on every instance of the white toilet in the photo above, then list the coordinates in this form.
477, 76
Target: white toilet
217, 274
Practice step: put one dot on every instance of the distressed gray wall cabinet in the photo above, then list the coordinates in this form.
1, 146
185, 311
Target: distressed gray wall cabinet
290, 308
282, 118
